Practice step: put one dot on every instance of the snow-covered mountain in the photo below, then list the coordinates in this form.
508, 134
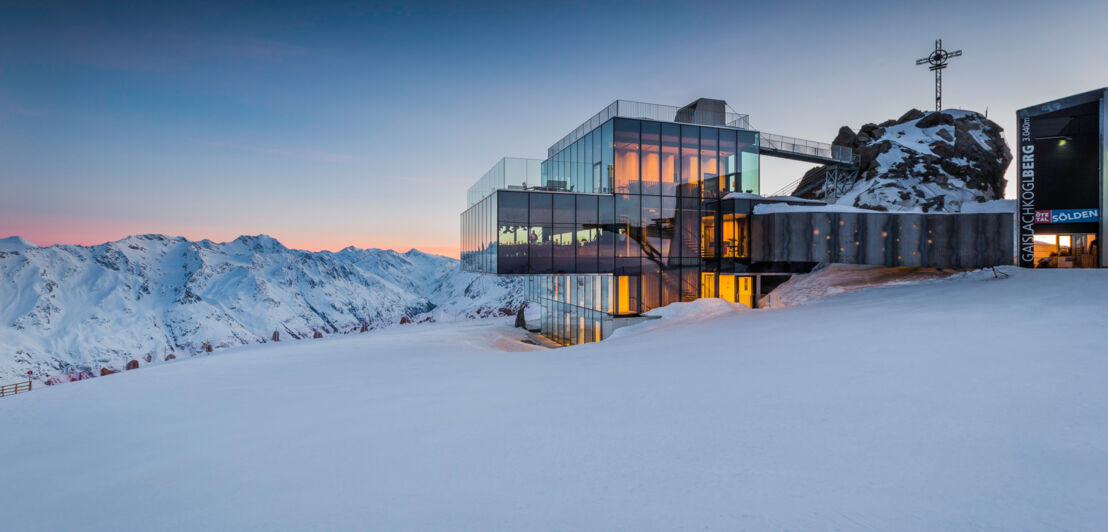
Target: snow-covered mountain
75, 310
923, 161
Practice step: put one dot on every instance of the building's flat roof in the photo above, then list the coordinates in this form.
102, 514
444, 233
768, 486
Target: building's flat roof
1062, 103
641, 111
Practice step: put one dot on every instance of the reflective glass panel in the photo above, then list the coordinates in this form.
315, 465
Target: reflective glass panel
650, 157
627, 156
669, 173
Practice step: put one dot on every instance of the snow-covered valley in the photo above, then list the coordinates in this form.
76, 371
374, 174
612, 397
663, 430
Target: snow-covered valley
965, 402
70, 312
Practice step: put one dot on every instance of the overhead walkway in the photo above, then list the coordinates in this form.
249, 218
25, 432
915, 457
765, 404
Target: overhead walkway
808, 151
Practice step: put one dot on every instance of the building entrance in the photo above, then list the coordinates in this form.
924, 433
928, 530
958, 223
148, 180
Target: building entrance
1076, 250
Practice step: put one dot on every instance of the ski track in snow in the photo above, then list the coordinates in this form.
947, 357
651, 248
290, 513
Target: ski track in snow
965, 402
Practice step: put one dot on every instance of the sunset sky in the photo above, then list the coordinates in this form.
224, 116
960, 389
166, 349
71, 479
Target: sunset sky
342, 124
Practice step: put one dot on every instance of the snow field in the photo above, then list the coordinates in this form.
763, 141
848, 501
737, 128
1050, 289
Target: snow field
966, 402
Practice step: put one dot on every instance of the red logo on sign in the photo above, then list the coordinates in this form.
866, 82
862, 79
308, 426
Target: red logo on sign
1042, 217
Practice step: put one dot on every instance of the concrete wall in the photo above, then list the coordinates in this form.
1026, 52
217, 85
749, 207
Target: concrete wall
888, 239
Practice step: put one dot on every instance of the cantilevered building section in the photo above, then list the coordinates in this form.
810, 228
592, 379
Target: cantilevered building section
645, 205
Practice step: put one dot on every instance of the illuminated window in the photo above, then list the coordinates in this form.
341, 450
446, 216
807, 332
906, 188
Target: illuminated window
627, 156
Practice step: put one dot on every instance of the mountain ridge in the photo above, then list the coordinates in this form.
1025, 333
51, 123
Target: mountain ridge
76, 310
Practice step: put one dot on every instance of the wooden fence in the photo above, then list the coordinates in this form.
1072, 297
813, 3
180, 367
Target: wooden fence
12, 389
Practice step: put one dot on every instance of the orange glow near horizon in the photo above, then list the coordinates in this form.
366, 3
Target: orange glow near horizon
44, 231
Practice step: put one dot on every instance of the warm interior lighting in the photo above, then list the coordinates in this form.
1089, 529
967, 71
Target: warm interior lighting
707, 284
746, 291
624, 296
1064, 241
727, 287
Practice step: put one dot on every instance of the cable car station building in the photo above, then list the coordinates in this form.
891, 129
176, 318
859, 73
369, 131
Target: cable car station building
645, 205
1062, 182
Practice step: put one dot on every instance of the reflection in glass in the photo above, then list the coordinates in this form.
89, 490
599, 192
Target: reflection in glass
627, 156
709, 166
607, 166
690, 162
669, 173
727, 160
651, 138
628, 225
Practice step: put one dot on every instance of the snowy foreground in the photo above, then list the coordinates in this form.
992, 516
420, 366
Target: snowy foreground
958, 403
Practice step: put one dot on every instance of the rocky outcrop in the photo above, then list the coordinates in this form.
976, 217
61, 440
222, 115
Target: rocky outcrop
923, 161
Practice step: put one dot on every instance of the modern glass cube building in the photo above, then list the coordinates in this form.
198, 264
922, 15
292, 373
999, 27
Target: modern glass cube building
644, 205
624, 216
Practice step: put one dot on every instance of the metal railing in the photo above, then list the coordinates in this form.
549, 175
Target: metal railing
822, 150
639, 110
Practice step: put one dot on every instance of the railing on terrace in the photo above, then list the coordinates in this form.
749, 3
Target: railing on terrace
508, 172
781, 143
640, 110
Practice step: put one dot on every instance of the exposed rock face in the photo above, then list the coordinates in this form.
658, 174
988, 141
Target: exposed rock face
923, 161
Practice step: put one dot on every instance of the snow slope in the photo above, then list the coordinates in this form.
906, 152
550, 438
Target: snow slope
69, 311
964, 403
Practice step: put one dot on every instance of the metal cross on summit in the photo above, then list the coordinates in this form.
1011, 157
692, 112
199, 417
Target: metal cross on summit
938, 60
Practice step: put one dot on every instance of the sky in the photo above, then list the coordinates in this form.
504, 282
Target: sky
326, 125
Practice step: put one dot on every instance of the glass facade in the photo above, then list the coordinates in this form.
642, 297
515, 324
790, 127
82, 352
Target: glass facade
626, 219
576, 309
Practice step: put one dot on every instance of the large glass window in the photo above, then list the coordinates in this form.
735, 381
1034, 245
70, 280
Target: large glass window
748, 169
667, 229
539, 234
539, 248
563, 209
735, 237
650, 294
728, 165
628, 219
709, 165
512, 206
670, 173
652, 227
595, 164
688, 220
541, 208
627, 156
589, 184
607, 237
607, 166
651, 139
588, 233
690, 162
574, 178
708, 235
513, 248
562, 238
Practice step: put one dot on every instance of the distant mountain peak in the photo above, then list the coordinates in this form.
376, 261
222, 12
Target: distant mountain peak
15, 243
146, 297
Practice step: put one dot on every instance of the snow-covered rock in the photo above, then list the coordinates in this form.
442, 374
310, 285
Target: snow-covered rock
75, 309
924, 161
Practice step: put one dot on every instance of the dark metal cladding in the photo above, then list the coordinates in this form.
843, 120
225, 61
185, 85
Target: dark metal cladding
885, 239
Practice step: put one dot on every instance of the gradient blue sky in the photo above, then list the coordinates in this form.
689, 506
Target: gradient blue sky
327, 125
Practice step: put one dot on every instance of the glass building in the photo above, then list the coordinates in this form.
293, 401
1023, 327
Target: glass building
624, 217
645, 205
